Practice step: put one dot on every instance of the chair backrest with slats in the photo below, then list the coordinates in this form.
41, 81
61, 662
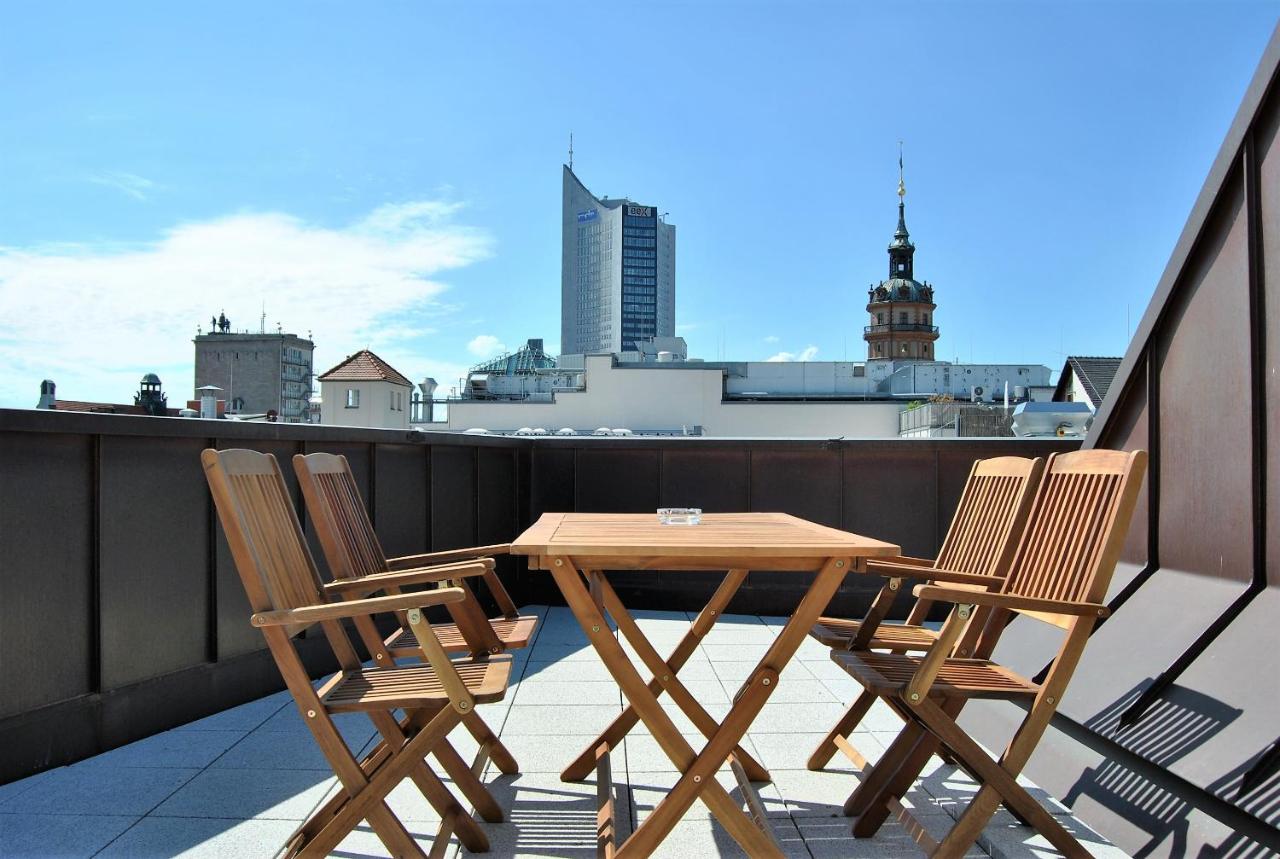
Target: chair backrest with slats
346, 535
262, 529
1078, 524
993, 508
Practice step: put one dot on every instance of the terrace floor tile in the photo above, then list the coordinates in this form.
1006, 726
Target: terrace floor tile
236, 784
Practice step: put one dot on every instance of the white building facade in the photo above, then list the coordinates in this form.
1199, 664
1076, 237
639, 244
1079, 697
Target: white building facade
617, 272
814, 399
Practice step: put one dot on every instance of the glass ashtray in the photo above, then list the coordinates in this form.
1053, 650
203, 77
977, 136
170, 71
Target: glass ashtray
679, 515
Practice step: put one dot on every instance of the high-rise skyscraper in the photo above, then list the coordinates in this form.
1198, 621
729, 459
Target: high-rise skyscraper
617, 272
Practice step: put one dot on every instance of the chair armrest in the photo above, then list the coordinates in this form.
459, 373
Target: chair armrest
425, 575
978, 596
905, 560
894, 569
429, 558
355, 608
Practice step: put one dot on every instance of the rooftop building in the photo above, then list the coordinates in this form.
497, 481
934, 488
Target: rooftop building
260, 372
365, 391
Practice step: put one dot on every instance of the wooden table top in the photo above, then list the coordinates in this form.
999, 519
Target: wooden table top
719, 535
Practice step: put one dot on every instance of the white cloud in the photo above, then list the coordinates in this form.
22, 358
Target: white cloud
132, 184
771, 339
806, 354
95, 317
486, 346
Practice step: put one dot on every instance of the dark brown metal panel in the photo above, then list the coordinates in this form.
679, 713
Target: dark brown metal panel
551, 480
713, 479
1267, 136
155, 564
235, 636
453, 497
46, 592
890, 493
496, 495
1203, 371
617, 480
804, 483
1130, 429
400, 497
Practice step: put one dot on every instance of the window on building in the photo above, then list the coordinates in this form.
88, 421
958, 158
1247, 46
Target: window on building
902, 317
879, 319
353, 398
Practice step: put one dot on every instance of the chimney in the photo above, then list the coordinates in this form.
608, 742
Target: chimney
47, 398
208, 400
428, 387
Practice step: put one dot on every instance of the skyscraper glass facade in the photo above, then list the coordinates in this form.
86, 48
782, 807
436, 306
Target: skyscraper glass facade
639, 275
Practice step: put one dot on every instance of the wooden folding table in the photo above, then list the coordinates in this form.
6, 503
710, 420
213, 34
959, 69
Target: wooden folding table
577, 547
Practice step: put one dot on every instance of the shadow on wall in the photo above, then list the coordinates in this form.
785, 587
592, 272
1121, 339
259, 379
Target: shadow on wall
1166, 732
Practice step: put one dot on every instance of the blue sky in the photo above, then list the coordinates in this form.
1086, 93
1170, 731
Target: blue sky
388, 174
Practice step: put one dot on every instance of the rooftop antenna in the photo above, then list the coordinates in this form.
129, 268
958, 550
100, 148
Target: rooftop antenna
262, 322
571, 150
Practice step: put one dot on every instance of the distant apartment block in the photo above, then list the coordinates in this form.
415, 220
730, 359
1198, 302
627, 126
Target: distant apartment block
617, 273
257, 372
365, 391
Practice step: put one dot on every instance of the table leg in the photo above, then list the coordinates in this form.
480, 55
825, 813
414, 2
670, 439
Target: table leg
665, 678
755, 693
702, 785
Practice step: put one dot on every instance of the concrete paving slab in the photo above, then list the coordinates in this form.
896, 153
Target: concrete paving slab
243, 794
201, 838
552, 693
101, 790
586, 721
34, 836
189, 749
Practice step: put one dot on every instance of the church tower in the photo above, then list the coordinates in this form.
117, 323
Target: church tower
901, 308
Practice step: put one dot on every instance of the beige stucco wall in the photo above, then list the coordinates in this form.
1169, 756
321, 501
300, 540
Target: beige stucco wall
650, 399
375, 405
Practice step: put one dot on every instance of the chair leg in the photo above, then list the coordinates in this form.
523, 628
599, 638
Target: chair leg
877, 809
1000, 785
870, 820
467, 782
484, 735
429, 784
874, 780
842, 729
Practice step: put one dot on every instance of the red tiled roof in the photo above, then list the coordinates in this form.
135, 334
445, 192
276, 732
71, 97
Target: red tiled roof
364, 366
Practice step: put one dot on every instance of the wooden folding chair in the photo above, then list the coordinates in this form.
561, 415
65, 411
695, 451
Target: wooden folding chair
284, 591
360, 567
1059, 575
977, 550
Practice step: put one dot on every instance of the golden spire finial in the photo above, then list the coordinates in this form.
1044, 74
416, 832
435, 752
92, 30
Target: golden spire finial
902, 188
